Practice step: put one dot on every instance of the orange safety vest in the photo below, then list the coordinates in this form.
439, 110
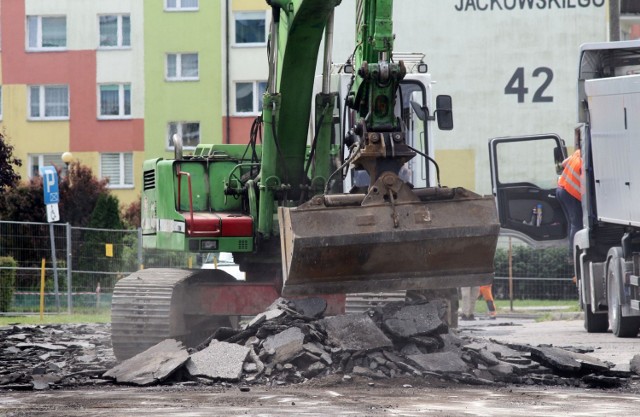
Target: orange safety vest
570, 178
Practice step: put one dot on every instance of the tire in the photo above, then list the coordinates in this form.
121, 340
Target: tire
620, 326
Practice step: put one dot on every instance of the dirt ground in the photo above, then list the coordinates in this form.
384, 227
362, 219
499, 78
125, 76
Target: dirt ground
358, 397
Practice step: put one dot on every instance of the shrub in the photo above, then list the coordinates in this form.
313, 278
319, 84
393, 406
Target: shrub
7, 282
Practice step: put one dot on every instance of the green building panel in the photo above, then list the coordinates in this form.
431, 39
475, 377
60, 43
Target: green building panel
186, 100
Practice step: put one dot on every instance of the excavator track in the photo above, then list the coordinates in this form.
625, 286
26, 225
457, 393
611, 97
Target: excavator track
148, 307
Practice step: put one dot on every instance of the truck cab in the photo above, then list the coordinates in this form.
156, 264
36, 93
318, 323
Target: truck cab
606, 252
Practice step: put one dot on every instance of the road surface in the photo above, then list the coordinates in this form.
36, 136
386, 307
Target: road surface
333, 397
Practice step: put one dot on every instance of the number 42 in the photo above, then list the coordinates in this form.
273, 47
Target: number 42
516, 85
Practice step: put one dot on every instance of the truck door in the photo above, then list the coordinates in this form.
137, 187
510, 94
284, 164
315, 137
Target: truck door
524, 175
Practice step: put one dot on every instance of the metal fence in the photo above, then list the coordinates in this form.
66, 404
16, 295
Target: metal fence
82, 266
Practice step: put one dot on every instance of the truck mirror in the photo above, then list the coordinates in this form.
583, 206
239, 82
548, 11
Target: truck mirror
444, 112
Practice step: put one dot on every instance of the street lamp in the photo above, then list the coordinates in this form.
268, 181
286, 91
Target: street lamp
67, 157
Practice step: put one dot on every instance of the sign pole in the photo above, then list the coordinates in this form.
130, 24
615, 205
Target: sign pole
51, 199
55, 266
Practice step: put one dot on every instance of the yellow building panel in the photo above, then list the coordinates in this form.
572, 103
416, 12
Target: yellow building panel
457, 167
29, 137
126, 196
241, 5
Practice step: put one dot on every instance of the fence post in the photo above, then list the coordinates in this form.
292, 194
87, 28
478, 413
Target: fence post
69, 271
55, 266
140, 259
510, 276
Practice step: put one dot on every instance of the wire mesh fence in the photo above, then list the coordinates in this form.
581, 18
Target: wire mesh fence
82, 266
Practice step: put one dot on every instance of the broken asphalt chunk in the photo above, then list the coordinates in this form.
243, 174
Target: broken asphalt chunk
220, 361
425, 318
355, 332
152, 366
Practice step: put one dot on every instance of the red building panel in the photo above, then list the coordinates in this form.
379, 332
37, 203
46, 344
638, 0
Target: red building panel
77, 69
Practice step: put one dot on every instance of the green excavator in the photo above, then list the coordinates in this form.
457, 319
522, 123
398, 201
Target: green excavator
339, 194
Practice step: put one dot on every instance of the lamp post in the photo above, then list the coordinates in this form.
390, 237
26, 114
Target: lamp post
67, 157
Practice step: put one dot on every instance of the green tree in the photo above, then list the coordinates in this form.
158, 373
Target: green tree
8, 176
106, 214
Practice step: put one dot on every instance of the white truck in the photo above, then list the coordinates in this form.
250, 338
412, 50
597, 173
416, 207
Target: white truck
606, 251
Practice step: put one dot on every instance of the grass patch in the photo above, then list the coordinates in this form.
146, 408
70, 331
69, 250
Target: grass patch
100, 317
531, 306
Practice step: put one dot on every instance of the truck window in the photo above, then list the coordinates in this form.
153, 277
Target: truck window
539, 168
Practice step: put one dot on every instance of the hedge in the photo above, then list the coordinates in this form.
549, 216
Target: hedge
7, 282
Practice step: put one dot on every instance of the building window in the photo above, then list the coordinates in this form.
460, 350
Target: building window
181, 5
182, 67
117, 168
249, 96
250, 28
46, 32
115, 101
190, 132
48, 102
42, 160
115, 31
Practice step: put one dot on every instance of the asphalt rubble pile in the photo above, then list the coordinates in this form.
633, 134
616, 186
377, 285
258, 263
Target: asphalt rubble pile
60, 356
290, 343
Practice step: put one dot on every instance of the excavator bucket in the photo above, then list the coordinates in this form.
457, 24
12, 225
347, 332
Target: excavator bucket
445, 239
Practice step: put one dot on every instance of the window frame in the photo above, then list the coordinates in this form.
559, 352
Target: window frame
179, 8
119, 32
256, 98
179, 69
121, 102
40, 157
39, 39
249, 44
42, 103
179, 129
121, 185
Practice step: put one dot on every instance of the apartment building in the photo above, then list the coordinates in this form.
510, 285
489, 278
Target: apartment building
108, 81
182, 74
72, 80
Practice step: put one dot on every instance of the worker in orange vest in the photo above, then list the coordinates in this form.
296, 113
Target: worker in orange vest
569, 195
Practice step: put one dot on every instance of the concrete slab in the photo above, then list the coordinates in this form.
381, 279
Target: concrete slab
415, 320
220, 361
566, 361
152, 366
355, 332
445, 362
286, 345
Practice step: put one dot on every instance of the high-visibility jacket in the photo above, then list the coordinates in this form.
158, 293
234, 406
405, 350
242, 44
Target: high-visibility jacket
570, 178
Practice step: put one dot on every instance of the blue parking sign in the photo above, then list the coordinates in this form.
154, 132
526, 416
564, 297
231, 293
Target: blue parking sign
50, 184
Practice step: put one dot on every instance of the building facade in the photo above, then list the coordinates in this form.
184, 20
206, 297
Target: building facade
245, 65
112, 81
108, 81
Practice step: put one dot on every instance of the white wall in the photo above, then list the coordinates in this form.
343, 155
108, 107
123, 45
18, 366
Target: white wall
473, 54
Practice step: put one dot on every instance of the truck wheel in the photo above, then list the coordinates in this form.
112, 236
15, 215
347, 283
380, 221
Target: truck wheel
595, 323
620, 326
